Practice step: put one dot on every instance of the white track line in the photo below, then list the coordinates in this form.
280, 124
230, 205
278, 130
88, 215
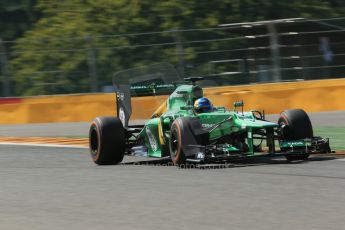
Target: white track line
44, 145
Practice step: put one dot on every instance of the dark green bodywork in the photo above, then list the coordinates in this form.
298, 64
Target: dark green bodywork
156, 133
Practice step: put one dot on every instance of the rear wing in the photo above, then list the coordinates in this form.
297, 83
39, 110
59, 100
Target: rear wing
155, 79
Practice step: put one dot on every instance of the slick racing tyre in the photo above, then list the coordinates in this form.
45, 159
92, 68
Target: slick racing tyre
181, 138
294, 125
107, 140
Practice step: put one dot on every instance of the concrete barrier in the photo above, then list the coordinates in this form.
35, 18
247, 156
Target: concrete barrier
312, 96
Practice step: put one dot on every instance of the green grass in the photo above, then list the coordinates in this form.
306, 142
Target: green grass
336, 136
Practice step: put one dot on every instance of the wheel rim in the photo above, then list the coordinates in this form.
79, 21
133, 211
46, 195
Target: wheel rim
174, 145
284, 127
94, 142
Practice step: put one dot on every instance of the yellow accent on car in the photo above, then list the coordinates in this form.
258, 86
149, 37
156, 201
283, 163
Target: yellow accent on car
160, 133
160, 110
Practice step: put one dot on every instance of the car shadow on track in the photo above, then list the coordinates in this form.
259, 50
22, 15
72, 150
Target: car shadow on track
166, 162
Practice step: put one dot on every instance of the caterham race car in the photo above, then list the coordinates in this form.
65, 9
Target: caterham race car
189, 129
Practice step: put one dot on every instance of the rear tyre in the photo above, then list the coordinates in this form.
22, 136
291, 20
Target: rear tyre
294, 125
107, 140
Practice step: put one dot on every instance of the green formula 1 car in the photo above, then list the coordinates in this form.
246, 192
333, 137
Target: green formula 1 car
192, 135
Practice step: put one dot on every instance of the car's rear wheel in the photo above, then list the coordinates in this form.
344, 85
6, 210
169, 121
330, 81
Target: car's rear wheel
107, 140
295, 125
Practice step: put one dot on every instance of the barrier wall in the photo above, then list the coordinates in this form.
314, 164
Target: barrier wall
312, 96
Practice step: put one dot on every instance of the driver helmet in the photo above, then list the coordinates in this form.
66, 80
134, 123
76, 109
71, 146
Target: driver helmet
203, 105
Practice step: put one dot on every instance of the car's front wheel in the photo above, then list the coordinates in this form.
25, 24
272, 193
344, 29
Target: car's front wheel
176, 146
295, 125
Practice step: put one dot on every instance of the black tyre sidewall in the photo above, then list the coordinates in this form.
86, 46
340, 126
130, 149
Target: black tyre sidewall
298, 124
182, 130
177, 156
110, 140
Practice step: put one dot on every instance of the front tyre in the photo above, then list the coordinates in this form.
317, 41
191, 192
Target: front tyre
295, 125
176, 146
183, 138
107, 140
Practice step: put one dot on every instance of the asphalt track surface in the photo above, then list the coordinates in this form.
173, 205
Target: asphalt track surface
60, 188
